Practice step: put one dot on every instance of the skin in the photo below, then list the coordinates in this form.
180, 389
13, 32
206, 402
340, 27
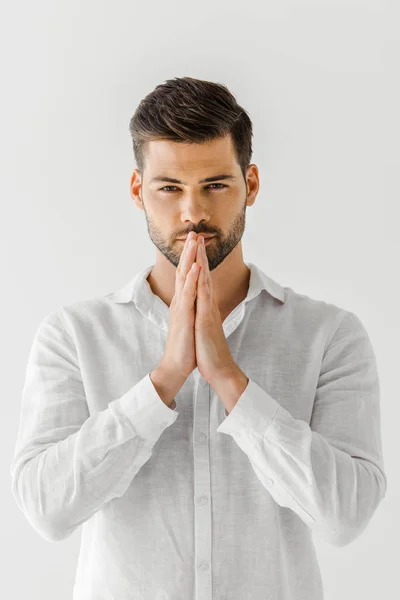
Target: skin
205, 208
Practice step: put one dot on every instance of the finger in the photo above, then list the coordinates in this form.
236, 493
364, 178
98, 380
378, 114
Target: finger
203, 283
183, 265
200, 261
190, 288
193, 270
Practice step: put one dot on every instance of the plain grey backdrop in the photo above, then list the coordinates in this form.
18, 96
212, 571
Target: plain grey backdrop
320, 82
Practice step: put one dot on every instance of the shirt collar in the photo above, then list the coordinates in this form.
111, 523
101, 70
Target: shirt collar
138, 289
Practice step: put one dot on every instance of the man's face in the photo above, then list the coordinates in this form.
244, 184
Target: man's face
174, 209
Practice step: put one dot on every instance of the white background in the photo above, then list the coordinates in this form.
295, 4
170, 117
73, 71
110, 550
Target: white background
320, 82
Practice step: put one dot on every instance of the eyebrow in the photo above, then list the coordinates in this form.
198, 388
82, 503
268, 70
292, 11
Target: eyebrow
163, 178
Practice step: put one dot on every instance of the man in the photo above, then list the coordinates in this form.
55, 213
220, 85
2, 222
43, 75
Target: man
127, 395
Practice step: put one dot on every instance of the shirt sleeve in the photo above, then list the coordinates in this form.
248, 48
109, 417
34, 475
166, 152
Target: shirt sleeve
67, 463
331, 472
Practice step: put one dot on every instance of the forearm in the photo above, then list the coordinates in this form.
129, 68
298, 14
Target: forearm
229, 387
167, 384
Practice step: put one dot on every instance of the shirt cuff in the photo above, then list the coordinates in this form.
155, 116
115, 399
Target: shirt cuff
144, 409
254, 411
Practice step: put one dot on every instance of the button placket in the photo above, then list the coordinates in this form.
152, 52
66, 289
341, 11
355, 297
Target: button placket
202, 491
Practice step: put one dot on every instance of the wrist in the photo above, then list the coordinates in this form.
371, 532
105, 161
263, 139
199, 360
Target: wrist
167, 384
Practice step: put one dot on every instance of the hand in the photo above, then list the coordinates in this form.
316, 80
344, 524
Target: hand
213, 356
179, 354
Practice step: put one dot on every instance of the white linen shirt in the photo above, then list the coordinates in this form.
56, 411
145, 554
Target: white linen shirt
194, 503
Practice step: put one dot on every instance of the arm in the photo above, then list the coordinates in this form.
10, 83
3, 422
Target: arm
68, 464
167, 384
330, 472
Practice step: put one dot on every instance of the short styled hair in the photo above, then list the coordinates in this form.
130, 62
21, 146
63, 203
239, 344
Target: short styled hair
191, 110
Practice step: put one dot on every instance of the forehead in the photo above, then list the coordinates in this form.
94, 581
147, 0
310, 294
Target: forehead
164, 154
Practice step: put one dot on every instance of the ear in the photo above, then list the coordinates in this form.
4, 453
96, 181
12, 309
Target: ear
136, 188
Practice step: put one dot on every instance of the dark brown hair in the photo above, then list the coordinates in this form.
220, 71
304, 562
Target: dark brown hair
191, 111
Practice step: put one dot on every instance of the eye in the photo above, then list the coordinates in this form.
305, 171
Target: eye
164, 189
221, 184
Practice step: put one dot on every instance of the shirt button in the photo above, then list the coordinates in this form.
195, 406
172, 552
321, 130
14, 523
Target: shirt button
203, 382
202, 437
270, 481
204, 566
203, 500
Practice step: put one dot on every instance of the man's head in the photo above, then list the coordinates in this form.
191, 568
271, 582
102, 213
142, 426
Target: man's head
184, 132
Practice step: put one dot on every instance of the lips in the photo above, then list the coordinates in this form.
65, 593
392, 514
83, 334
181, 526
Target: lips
202, 234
